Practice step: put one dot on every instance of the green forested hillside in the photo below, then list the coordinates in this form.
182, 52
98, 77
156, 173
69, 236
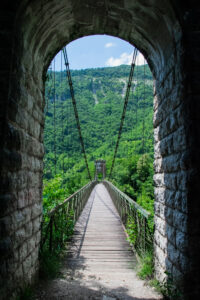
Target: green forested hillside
99, 94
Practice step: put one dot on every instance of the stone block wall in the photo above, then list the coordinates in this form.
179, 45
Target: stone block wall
21, 159
171, 176
21, 175
176, 165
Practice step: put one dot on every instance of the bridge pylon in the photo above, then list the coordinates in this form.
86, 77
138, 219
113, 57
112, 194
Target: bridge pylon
100, 168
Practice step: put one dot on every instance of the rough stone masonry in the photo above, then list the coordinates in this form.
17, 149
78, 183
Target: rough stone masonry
167, 33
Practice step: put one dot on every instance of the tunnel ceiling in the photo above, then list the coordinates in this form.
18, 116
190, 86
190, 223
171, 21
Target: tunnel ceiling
150, 25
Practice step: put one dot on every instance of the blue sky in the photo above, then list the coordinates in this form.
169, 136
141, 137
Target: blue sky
98, 51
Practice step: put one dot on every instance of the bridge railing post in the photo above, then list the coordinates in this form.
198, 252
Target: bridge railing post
56, 222
51, 235
130, 211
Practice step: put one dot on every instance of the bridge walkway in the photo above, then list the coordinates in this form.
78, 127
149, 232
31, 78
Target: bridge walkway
99, 263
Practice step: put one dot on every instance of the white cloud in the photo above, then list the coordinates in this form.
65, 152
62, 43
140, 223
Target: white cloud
140, 60
125, 59
108, 45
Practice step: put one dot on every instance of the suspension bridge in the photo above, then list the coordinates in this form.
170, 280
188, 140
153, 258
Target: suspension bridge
99, 261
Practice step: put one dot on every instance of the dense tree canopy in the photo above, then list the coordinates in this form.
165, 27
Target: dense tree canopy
100, 94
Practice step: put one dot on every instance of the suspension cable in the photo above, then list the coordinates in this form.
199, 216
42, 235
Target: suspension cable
75, 109
136, 109
124, 109
54, 116
47, 97
143, 108
62, 114
49, 92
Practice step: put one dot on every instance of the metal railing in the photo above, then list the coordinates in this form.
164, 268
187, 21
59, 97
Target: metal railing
130, 211
58, 222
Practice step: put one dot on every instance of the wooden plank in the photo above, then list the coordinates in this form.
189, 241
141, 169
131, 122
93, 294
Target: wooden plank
99, 242
99, 262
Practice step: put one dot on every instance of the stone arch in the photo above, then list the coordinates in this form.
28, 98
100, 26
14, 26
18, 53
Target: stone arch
38, 29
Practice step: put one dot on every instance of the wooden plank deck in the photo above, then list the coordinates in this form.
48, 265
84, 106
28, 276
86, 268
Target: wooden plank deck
101, 255
99, 263
99, 241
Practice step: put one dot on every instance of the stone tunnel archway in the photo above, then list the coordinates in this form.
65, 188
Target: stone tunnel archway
33, 32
